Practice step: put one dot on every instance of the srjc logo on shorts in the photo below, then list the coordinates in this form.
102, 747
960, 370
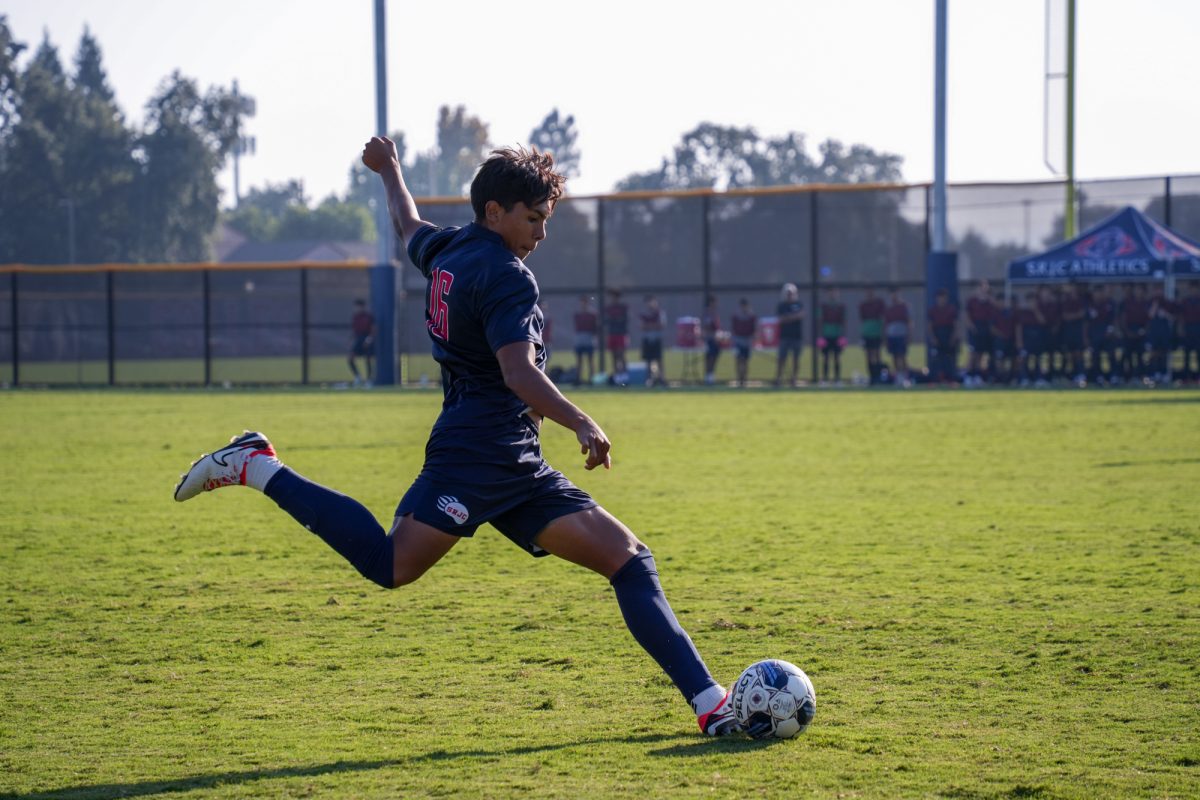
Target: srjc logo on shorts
456, 510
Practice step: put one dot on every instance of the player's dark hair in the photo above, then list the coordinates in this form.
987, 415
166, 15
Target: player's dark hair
516, 175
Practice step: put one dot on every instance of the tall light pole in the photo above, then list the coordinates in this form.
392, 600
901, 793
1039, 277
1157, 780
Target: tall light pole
383, 274
1072, 210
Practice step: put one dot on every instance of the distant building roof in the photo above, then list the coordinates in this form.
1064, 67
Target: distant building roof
299, 250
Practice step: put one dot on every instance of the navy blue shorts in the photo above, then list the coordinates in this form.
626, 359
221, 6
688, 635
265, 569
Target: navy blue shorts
362, 346
503, 481
981, 340
897, 345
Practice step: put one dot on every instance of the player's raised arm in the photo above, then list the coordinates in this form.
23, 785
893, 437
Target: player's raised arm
379, 156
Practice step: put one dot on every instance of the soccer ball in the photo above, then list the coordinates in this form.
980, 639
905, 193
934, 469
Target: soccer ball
773, 698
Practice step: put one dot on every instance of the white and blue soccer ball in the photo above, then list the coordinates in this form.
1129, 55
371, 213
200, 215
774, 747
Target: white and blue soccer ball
773, 698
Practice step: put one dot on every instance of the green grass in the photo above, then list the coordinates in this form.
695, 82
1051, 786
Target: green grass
995, 594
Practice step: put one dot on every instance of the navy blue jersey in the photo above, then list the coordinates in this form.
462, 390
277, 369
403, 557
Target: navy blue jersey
480, 297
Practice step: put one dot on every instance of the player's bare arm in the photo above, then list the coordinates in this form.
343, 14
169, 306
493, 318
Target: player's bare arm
379, 156
529, 383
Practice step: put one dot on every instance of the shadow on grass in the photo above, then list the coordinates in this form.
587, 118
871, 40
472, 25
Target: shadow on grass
192, 783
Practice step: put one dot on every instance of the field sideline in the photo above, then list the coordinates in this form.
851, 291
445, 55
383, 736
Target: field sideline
995, 594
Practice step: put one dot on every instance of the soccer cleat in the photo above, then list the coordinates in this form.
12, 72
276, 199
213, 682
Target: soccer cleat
720, 721
224, 467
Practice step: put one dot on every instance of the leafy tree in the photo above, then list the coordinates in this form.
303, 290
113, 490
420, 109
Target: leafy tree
724, 157
35, 177
448, 168
558, 136
187, 138
281, 212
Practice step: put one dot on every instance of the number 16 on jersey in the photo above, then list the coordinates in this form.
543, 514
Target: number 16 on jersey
438, 316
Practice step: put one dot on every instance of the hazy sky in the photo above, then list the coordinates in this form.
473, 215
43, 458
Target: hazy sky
636, 74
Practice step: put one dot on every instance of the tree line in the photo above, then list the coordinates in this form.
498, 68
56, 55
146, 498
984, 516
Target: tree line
79, 183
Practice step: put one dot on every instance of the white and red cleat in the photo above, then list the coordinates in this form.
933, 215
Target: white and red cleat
720, 721
224, 467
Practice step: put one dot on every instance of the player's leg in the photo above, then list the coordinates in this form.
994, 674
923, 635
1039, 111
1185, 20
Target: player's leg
595, 539
339, 520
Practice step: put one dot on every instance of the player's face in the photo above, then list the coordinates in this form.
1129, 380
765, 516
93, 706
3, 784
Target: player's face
521, 227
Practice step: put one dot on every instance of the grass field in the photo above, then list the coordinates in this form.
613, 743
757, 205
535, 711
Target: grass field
995, 594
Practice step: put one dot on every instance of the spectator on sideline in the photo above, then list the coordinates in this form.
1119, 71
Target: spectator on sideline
586, 325
743, 325
833, 334
1100, 336
870, 317
1071, 334
790, 312
1133, 313
1189, 314
1004, 338
942, 330
1031, 335
710, 326
362, 343
654, 323
896, 328
616, 324
1051, 314
980, 313
1160, 334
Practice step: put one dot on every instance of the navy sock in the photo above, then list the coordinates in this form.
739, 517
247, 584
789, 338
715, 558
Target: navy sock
341, 521
654, 626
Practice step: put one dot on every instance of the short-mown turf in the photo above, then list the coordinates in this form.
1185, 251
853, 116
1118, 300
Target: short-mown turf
996, 595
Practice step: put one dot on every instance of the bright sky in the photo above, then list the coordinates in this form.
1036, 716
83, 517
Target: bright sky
636, 74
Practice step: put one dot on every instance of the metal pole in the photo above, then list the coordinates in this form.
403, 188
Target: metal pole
207, 301
304, 326
16, 333
601, 281
112, 328
939, 128
1072, 213
383, 276
813, 273
1167, 201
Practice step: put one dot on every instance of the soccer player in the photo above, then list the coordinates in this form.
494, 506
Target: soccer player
1071, 334
1189, 312
942, 329
870, 317
833, 334
362, 342
1004, 338
896, 328
743, 326
1050, 311
1133, 313
654, 322
616, 323
1101, 335
980, 313
483, 461
1160, 334
790, 312
710, 325
586, 323
1031, 338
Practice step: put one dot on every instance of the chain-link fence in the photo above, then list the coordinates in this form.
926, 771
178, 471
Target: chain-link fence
289, 323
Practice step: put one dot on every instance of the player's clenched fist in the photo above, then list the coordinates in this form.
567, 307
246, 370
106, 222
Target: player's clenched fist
378, 152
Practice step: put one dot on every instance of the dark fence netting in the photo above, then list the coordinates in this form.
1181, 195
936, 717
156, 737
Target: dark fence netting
284, 322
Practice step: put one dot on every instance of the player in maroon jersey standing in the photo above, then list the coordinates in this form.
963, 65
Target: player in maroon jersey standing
980, 315
870, 319
943, 338
362, 343
1189, 315
897, 330
586, 325
654, 323
616, 325
743, 326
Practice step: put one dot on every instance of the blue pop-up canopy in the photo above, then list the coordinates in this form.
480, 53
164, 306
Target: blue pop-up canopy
1128, 246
